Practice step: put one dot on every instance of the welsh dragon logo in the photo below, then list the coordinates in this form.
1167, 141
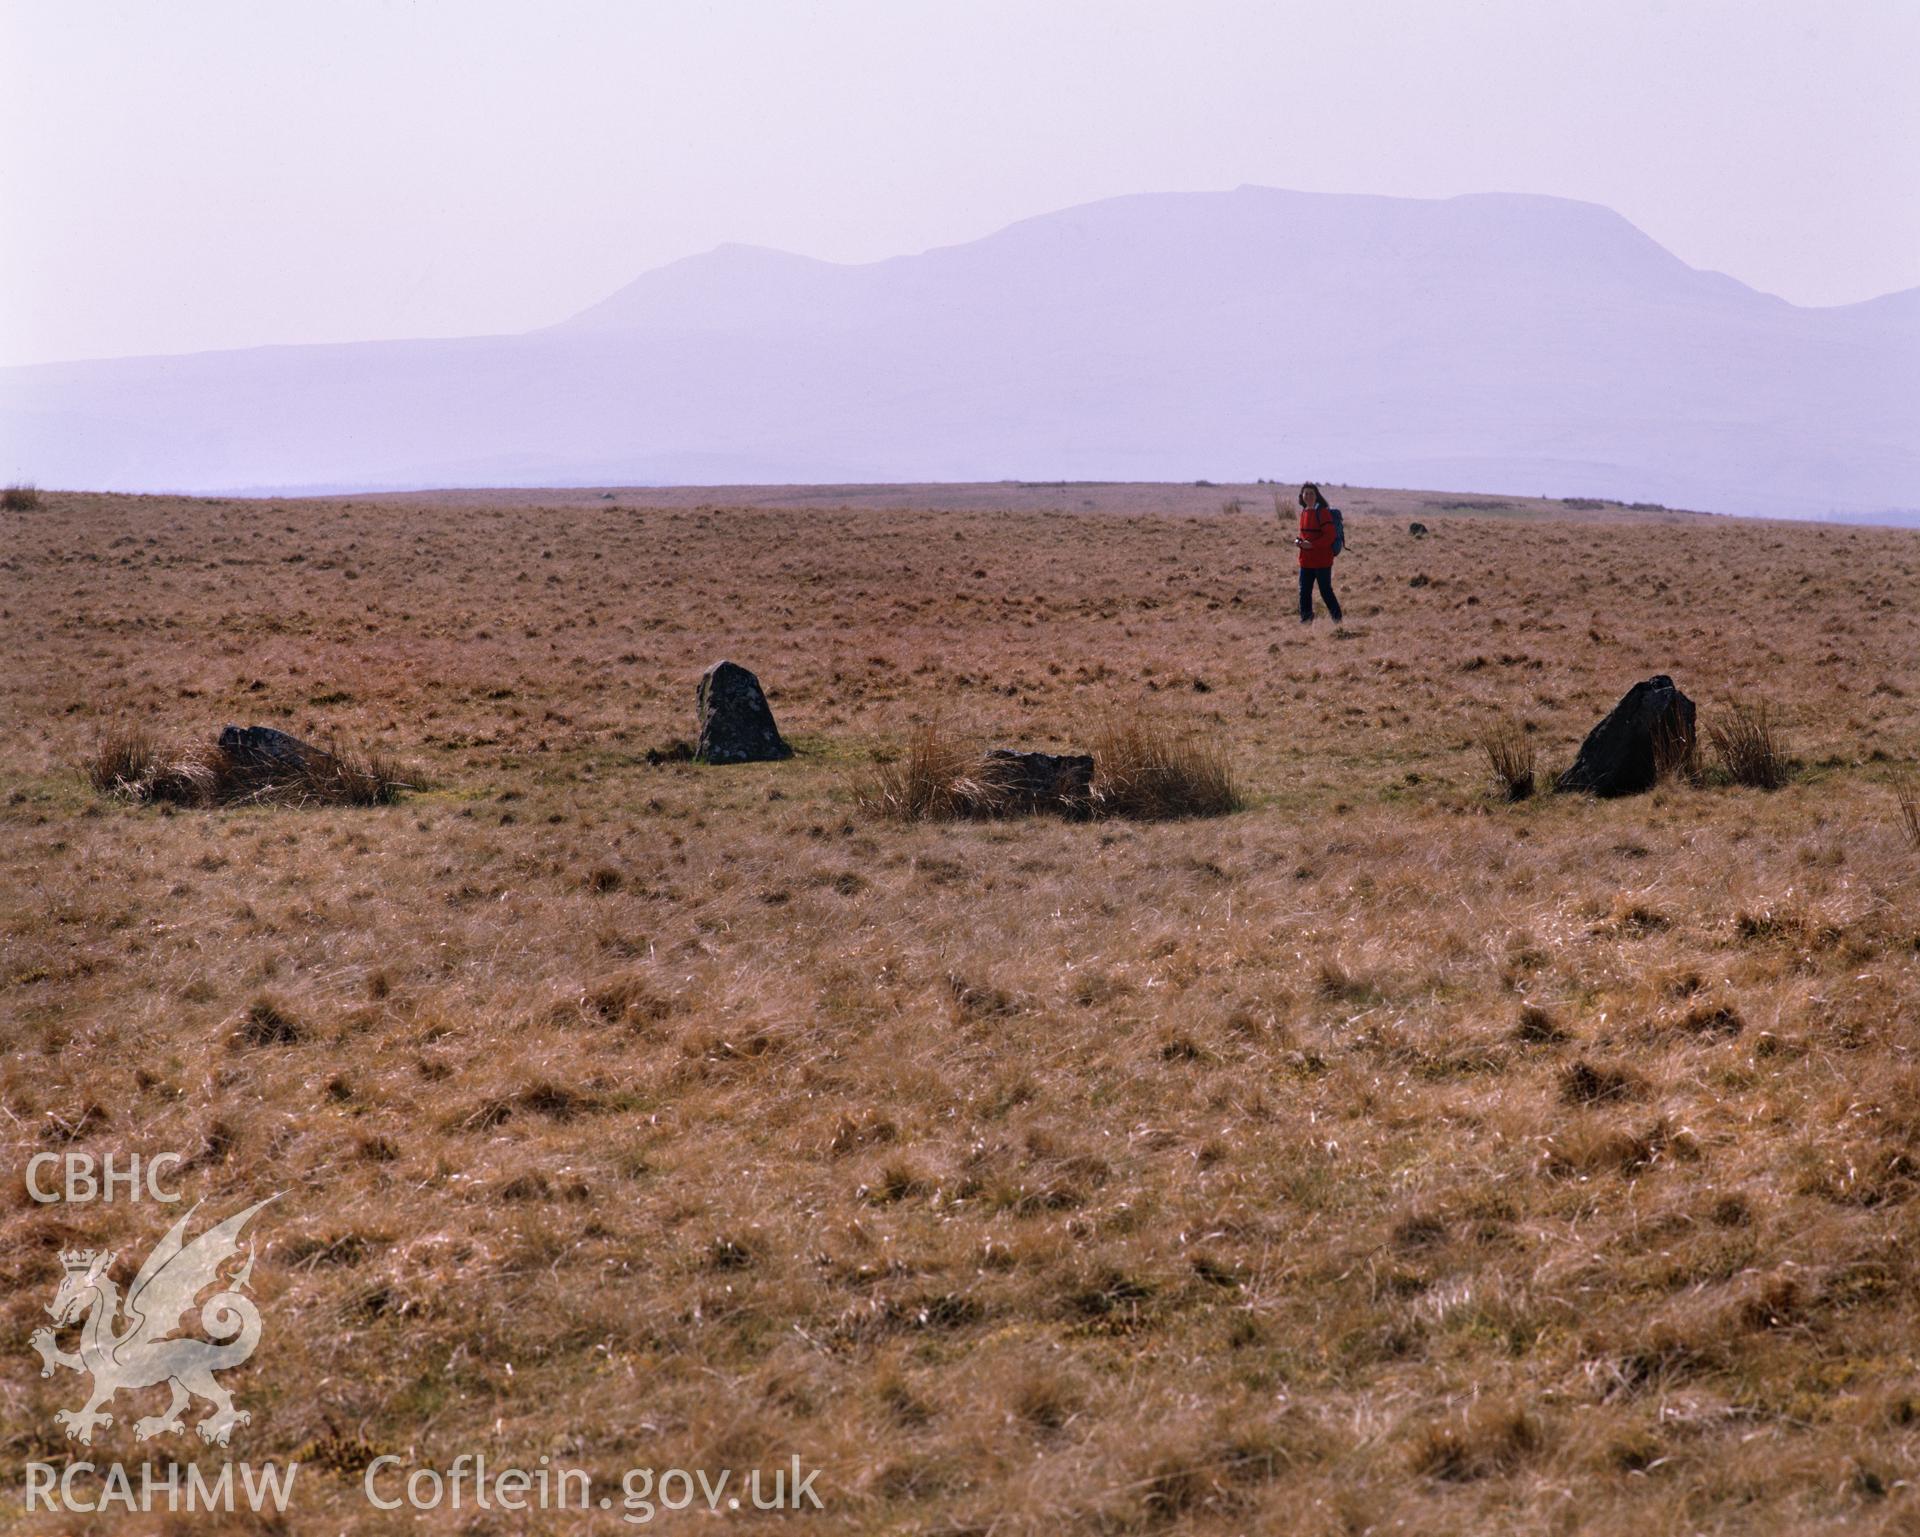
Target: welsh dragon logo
141, 1349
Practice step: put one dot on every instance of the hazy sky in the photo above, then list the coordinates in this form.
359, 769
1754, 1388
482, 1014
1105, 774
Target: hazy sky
190, 175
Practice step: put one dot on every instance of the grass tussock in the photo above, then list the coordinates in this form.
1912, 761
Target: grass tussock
1151, 771
1747, 747
130, 763
1676, 755
20, 497
1510, 754
1906, 792
1490, 1439
938, 779
123, 760
269, 1021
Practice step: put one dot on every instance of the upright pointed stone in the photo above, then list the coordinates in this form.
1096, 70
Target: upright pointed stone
1649, 729
736, 722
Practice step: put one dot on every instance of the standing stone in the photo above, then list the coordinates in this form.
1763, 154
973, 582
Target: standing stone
1651, 727
736, 723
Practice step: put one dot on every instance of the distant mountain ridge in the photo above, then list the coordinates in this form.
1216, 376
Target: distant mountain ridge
1493, 342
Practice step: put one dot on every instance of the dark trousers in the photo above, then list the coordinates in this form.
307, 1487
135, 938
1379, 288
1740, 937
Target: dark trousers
1323, 577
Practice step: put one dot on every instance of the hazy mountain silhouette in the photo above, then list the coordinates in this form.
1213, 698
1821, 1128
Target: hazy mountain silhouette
1492, 342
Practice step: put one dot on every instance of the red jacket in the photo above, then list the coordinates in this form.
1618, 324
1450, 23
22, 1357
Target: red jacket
1316, 527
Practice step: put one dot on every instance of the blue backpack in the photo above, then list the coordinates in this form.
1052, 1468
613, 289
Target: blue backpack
1339, 530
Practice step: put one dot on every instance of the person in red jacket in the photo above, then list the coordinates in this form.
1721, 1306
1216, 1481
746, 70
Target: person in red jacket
1318, 541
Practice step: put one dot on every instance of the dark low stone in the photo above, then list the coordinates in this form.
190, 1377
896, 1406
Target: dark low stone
1651, 726
263, 750
1418, 530
736, 722
1040, 781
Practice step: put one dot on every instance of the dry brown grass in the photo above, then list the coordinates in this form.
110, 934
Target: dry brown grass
1150, 770
1676, 755
125, 762
1906, 794
20, 498
1510, 754
939, 778
1490, 1439
1747, 747
1380, 1157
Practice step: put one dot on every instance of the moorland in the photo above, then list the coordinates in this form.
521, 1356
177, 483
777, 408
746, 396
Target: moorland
1383, 1155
